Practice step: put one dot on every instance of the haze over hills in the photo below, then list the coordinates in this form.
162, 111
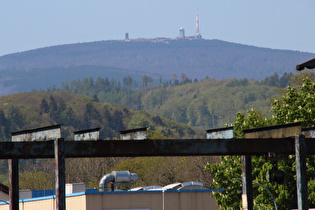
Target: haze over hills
41, 68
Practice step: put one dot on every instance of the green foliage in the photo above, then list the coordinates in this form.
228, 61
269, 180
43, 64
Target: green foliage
297, 104
146, 82
139, 120
277, 81
224, 179
88, 170
4, 126
207, 104
227, 173
75, 112
37, 174
189, 103
297, 79
254, 119
238, 82
4, 169
44, 106
35, 180
15, 117
156, 134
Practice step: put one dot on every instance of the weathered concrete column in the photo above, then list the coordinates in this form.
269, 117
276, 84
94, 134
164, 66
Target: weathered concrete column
301, 178
60, 174
14, 184
247, 186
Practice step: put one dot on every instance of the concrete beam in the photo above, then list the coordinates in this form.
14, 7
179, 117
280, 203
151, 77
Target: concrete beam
310, 64
118, 148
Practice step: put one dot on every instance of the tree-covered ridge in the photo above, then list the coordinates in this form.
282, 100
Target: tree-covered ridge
76, 112
208, 103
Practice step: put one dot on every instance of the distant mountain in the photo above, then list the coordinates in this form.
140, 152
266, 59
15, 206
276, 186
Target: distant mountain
164, 57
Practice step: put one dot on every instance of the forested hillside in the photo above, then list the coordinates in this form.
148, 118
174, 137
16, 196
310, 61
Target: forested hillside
41, 68
208, 103
76, 112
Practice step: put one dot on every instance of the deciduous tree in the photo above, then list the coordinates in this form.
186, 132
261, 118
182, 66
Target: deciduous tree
297, 104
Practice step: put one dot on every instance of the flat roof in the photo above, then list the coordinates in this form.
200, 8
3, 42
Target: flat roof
220, 129
87, 130
35, 130
272, 127
133, 130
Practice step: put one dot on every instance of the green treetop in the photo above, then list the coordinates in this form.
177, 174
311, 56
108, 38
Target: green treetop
296, 105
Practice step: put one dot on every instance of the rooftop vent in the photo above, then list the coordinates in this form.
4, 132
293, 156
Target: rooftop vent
117, 177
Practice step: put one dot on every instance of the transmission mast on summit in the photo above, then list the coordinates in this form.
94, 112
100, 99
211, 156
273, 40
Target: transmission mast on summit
198, 35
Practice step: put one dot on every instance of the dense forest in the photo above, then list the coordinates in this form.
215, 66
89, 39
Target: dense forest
208, 103
77, 112
204, 104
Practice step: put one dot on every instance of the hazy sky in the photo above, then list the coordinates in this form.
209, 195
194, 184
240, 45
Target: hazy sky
277, 24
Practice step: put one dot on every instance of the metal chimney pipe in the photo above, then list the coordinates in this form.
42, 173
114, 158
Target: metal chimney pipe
117, 177
104, 182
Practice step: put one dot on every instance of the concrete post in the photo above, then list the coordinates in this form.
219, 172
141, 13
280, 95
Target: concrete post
301, 178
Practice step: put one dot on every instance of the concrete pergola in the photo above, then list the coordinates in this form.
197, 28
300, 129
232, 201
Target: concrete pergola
59, 149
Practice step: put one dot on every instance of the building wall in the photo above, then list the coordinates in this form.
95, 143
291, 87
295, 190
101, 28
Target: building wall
139, 135
75, 188
25, 194
44, 204
153, 200
174, 200
76, 203
49, 203
4, 196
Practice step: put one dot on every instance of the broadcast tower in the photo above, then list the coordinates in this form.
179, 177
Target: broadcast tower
198, 35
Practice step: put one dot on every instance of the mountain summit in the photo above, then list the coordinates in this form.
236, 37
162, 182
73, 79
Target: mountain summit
196, 58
